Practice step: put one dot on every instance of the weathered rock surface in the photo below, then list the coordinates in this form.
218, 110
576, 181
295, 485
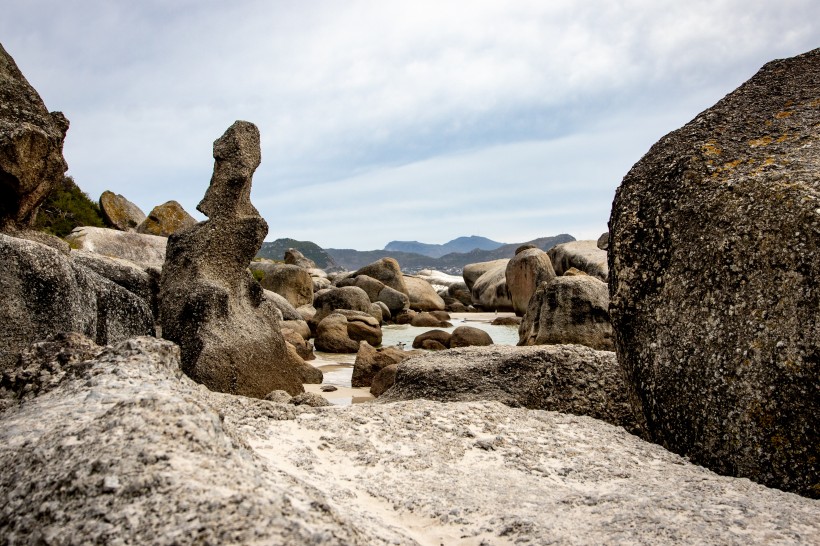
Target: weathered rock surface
288, 311
31, 148
490, 291
567, 378
425, 319
370, 361
120, 213
583, 255
332, 335
714, 263
143, 250
346, 297
524, 274
292, 282
386, 270
45, 292
132, 451
166, 219
294, 257
469, 336
144, 282
440, 337
383, 380
211, 305
422, 295
472, 272
571, 309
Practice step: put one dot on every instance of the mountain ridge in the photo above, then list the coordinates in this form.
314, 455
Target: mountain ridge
462, 245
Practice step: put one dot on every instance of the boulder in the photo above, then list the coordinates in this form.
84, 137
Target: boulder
306, 373
425, 319
301, 327
583, 255
292, 282
439, 279
507, 321
143, 250
370, 361
405, 316
525, 272
603, 241
144, 282
120, 213
383, 380
45, 292
714, 262
566, 378
310, 399
347, 297
166, 219
131, 451
362, 327
472, 272
460, 292
571, 309
386, 270
307, 312
438, 336
423, 296
303, 347
385, 311
490, 291
468, 336
288, 311
332, 336
371, 286
31, 148
395, 301
294, 257
212, 307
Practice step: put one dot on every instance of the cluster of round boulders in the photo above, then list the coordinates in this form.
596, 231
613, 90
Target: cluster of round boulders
463, 336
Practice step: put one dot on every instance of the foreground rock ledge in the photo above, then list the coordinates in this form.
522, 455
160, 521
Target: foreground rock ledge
129, 450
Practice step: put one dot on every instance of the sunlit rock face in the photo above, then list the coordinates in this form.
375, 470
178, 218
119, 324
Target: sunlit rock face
714, 269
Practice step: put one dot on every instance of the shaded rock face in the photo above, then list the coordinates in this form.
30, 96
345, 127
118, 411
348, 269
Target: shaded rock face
120, 213
31, 148
567, 378
132, 451
292, 282
524, 274
144, 282
211, 305
45, 292
143, 250
294, 257
370, 361
166, 219
383, 380
583, 255
714, 263
571, 309
472, 272
490, 290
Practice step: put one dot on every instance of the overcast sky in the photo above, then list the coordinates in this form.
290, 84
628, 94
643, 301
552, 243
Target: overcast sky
381, 120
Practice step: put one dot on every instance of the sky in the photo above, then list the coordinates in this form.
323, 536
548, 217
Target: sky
391, 120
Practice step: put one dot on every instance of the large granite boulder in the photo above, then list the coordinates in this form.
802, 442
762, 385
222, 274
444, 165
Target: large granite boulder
370, 361
567, 378
144, 282
31, 148
210, 304
129, 450
346, 297
46, 292
143, 250
292, 282
570, 309
490, 291
714, 258
120, 213
422, 295
524, 274
471, 272
585, 256
166, 219
332, 335
294, 257
469, 336
386, 270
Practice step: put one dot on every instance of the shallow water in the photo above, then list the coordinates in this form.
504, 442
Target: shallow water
338, 368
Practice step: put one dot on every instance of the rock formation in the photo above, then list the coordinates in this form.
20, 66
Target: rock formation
294, 257
583, 255
524, 274
370, 361
292, 282
31, 148
143, 250
211, 305
130, 451
569, 309
422, 295
714, 268
490, 291
120, 213
166, 219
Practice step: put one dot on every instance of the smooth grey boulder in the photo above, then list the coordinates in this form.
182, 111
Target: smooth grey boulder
490, 290
31, 148
120, 213
524, 274
228, 332
471, 272
714, 264
166, 219
46, 292
566, 378
131, 451
292, 282
582, 255
569, 309
422, 295
347, 297
469, 336
143, 250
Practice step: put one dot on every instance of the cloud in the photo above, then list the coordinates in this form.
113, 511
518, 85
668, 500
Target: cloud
359, 101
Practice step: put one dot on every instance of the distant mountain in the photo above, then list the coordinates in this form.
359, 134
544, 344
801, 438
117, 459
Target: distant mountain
460, 245
451, 263
275, 250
